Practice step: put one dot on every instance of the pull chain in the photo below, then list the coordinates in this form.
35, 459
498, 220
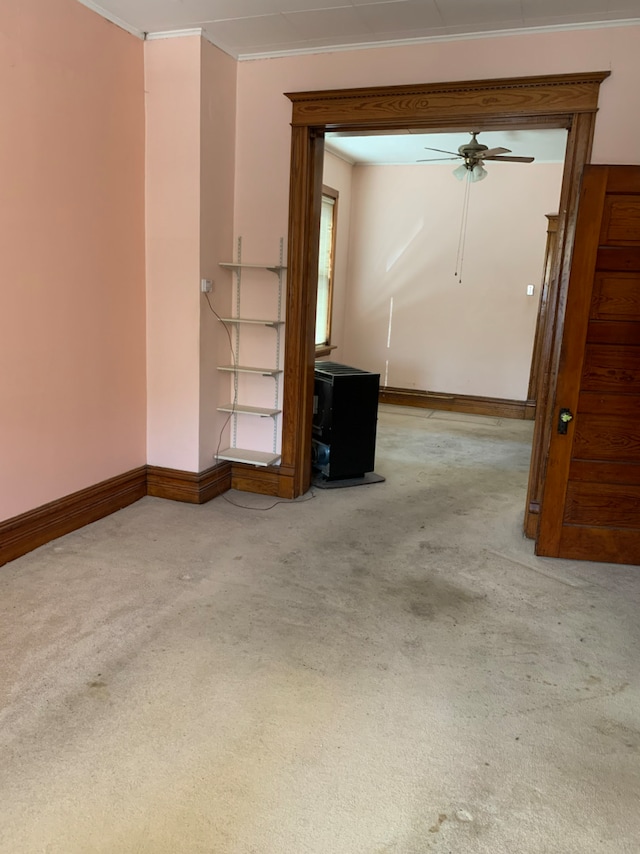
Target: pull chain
463, 229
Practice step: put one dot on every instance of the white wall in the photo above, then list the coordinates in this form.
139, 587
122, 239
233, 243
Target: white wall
264, 112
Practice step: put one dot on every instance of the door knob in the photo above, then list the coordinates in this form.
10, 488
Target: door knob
566, 415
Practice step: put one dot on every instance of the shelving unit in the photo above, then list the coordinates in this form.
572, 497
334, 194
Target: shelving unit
246, 369
272, 323
254, 458
238, 409
262, 411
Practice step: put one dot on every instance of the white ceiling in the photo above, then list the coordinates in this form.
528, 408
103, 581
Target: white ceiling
251, 28
547, 146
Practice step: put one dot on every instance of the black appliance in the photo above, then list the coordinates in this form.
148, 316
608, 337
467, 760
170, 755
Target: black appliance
345, 415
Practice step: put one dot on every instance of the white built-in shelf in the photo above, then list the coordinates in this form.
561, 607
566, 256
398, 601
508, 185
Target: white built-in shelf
247, 369
240, 408
232, 265
254, 458
256, 322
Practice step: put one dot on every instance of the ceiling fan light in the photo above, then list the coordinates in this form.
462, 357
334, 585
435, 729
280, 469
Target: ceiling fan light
460, 172
478, 173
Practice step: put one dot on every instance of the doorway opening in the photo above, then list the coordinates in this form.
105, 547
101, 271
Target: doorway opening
445, 342
442, 335
558, 101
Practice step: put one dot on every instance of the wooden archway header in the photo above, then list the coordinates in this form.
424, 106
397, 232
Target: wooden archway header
431, 104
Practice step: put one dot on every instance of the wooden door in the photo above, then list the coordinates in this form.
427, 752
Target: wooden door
591, 504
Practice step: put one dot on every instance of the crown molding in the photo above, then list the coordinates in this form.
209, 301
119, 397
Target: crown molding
174, 34
339, 155
453, 37
193, 31
114, 19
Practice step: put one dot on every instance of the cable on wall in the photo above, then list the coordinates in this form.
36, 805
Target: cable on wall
235, 365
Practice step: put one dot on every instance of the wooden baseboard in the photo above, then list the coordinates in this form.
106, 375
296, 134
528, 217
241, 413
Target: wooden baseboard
188, 486
271, 480
26, 532
532, 520
200, 487
496, 407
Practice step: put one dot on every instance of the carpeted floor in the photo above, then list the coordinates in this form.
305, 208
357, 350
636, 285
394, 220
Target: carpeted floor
386, 669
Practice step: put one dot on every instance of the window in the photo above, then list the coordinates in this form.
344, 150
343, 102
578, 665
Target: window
325, 270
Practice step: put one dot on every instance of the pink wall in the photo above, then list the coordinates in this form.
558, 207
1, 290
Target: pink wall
217, 141
190, 109
474, 337
72, 386
264, 113
172, 85
72, 206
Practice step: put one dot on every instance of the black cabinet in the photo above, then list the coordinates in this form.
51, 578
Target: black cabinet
345, 414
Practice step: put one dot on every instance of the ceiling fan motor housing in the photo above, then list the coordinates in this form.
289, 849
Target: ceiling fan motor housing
473, 149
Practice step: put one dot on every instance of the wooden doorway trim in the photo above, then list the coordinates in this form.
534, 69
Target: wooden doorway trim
545, 297
557, 101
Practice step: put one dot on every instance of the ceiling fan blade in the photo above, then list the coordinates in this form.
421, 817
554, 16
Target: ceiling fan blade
435, 159
491, 151
454, 153
511, 159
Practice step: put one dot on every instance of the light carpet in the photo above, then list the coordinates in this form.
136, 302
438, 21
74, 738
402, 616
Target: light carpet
385, 669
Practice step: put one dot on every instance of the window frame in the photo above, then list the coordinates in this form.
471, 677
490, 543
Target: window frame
325, 348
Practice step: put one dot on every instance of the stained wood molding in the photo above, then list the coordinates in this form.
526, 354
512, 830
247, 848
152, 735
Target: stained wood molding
578, 154
323, 352
191, 487
546, 297
567, 101
26, 532
512, 96
271, 480
305, 200
200, 487
532, 520
496, 407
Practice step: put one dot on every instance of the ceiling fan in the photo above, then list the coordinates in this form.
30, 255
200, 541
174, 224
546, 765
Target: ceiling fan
473, 155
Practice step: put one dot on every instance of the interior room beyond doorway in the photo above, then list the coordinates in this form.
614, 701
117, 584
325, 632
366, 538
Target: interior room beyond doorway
398, 307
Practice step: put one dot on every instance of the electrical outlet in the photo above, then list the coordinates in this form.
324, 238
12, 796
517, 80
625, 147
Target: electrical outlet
206, 286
